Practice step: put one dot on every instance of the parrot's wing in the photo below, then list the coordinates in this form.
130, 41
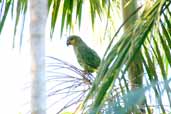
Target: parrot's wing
89, 57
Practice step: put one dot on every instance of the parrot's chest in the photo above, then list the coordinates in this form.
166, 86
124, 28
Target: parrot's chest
81, 60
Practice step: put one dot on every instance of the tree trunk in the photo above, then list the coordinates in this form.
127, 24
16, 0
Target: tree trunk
38, 15
135, 70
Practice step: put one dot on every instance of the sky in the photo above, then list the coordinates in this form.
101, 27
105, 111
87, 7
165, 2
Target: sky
14, 70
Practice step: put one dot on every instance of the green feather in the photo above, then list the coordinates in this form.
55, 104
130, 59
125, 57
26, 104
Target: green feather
87, 57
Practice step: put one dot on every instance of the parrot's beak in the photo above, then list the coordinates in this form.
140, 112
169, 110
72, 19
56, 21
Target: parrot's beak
68, 43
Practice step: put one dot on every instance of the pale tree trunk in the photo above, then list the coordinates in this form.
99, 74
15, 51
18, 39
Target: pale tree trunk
38, 15
135, 70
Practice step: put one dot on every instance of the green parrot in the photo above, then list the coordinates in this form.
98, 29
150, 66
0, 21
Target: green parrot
86, 57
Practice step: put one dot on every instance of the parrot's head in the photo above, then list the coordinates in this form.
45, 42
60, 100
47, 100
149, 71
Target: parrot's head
73, 40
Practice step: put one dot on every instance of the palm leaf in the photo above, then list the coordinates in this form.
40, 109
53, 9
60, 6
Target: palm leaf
3, 15
70, 8
119, 57
19, 10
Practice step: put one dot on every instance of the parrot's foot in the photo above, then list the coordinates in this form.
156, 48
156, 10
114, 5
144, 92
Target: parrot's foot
87, 77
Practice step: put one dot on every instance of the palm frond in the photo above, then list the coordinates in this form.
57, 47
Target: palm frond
67, 84
18, 12
21, 9
151, 37
5, 6
71, 11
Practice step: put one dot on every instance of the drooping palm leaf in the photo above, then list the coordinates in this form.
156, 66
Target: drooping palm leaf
118, 58
71, 12
21, 9
5, 5
18, 12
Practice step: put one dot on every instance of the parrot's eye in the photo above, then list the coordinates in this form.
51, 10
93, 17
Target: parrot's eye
71, 39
